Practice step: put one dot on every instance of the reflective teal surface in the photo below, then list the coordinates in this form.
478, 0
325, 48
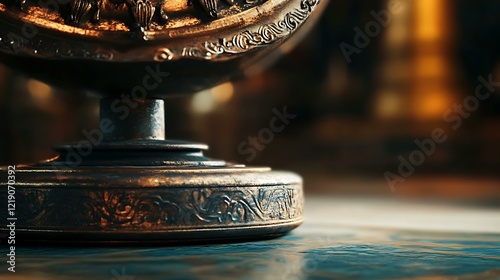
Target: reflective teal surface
314, 251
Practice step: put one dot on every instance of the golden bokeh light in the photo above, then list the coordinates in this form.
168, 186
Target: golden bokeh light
206, 101
428, 15
431, 102
223, 93
389, 105
38, 90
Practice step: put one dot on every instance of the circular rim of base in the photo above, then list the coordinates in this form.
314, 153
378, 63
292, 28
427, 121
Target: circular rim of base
130, 205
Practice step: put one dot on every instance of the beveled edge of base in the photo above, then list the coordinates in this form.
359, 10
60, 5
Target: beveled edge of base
168, 238
167, 207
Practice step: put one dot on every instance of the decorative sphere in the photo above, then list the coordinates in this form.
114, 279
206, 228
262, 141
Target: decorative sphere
146, 47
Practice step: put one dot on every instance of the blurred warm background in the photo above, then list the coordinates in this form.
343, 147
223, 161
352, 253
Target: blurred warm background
356, 116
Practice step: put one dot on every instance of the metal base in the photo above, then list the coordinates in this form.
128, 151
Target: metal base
149, 192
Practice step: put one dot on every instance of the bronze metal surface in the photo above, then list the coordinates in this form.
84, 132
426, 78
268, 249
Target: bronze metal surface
153, 204
145, 122
194, 51
129, 184
144, 190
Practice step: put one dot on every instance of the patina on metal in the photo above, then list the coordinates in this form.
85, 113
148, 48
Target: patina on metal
146, 121
155, 204
128, 183
143, 189
190, 52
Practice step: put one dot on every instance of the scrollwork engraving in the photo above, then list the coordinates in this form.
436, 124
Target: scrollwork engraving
158, 208
248, 40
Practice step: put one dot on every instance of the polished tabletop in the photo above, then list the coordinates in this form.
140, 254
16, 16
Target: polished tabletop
342, 238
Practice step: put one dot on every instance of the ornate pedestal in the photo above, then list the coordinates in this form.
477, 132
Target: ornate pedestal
125, 182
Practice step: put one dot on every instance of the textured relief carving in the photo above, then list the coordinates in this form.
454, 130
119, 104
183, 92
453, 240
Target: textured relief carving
211, 6
248, 40
82, 8
221, 49
142, 11
136, 14
157, 208
14, 43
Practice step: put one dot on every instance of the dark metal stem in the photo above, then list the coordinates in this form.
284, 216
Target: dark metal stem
133, 119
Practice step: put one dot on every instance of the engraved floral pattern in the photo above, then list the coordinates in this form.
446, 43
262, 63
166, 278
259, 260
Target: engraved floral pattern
158, 208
